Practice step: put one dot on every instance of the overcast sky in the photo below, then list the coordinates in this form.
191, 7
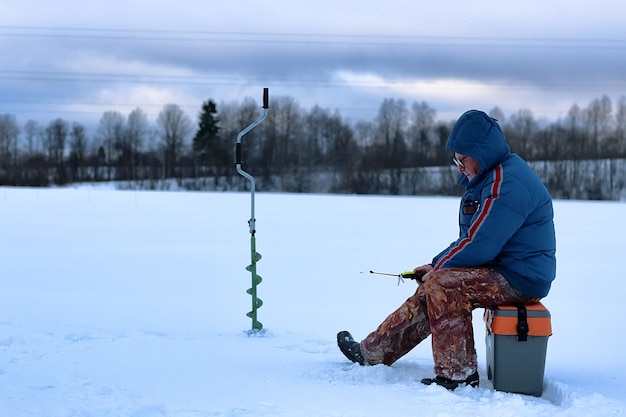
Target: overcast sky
78, 59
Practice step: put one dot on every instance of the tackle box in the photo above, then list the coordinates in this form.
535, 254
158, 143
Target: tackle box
517, 341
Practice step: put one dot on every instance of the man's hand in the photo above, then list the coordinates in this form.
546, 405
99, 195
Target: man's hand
421, 272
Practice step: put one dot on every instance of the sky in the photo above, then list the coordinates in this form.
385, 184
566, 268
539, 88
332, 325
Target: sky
76, 60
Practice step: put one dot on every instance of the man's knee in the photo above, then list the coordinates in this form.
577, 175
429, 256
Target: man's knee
444, 295
435, 281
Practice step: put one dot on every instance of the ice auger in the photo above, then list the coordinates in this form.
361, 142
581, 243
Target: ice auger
254, 255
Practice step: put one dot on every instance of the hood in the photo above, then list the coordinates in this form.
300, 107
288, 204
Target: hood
479, 136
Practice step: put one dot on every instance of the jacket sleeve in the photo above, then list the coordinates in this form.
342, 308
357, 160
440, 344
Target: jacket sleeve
501, 213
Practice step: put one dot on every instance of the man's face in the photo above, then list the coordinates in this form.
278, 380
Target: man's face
467, 165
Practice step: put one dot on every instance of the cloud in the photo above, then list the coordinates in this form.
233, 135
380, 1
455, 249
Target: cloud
122, 99
341, 55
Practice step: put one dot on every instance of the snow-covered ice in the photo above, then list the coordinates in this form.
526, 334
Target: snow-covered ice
128, 303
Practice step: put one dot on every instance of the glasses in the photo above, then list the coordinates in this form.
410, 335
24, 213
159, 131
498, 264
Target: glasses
459, 161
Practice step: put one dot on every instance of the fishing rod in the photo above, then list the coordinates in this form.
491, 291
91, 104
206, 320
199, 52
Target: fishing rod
401, 276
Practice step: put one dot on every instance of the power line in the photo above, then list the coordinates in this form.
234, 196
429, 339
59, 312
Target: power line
60, 107
199, 79
78, 33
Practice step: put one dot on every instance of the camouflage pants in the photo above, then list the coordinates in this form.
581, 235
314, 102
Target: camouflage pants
441, 307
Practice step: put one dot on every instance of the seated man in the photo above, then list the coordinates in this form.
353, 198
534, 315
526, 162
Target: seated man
505, 254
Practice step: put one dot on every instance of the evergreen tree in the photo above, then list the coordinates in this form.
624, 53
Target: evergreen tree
206, 143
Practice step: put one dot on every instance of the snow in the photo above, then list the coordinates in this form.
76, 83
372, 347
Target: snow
129, 303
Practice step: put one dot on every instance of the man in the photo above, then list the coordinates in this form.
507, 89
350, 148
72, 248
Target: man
505, 254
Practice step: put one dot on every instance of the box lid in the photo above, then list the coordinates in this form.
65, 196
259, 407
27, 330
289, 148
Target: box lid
503, 320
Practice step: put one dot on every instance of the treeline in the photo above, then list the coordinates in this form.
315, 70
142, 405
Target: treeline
296, 148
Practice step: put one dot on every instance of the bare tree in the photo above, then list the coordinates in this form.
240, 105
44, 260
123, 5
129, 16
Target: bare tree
34, 165
9, 133
328, 142
392, 123
56, 138
366, 179
421, 133
282, 148
576, 138
598, 121
342, 150
174, 128
137, 130
498, 114
110, 133
521, 131
33, 135
78, 150
391, 131
314, 135
620, 127
364, 133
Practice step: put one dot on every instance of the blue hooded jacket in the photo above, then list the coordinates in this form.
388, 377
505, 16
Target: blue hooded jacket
506, 215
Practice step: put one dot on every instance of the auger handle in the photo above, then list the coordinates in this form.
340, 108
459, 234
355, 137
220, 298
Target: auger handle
266, 98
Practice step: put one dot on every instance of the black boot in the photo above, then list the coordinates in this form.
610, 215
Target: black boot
349, 347
452, 384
